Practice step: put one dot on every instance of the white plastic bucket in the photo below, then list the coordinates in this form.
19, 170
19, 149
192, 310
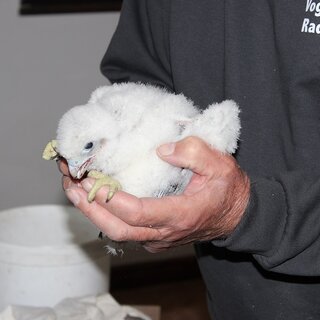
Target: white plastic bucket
48, 253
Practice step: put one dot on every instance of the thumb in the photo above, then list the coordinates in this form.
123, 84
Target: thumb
191, 153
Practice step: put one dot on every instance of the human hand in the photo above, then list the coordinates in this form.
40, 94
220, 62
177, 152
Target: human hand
210, 207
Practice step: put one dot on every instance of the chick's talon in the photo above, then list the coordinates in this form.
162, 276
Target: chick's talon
103, 180
50, 151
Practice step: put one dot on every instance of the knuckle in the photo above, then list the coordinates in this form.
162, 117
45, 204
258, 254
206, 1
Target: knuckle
193, 146
137, 219
192, 139
120, 235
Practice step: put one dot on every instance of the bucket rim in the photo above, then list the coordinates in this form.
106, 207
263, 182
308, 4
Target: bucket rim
50, 255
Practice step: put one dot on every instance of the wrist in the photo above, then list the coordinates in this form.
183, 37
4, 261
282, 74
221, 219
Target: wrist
238, 200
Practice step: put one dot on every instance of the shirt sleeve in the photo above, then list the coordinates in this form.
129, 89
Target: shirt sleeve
281, 226
139, 49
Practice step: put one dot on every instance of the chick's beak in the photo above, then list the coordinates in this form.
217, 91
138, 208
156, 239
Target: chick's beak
77, 168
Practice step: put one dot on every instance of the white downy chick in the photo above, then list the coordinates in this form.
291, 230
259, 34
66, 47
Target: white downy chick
118, 130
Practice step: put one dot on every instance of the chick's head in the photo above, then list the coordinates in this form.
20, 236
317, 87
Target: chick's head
82, 137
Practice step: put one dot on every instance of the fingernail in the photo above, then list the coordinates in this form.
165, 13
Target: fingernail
73, 196
87, 185
166, 149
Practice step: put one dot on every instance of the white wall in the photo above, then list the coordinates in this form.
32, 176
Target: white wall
48, 64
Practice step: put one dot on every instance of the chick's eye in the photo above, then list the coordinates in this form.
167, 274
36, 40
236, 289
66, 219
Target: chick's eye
88, 146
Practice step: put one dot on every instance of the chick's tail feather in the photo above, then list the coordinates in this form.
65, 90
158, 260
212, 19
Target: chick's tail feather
219, 125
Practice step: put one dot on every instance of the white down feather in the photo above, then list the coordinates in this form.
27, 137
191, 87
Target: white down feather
129, 121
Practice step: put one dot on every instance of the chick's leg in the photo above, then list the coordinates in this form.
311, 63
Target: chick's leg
103, 180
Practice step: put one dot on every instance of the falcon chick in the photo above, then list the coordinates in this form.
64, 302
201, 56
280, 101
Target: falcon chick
115, 135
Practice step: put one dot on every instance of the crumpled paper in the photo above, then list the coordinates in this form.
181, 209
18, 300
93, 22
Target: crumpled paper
102, 307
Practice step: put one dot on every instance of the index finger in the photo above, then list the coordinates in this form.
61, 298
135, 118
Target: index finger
141, 212
115, 228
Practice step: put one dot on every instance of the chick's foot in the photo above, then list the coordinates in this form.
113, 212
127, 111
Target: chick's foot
103, 180
50, 151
